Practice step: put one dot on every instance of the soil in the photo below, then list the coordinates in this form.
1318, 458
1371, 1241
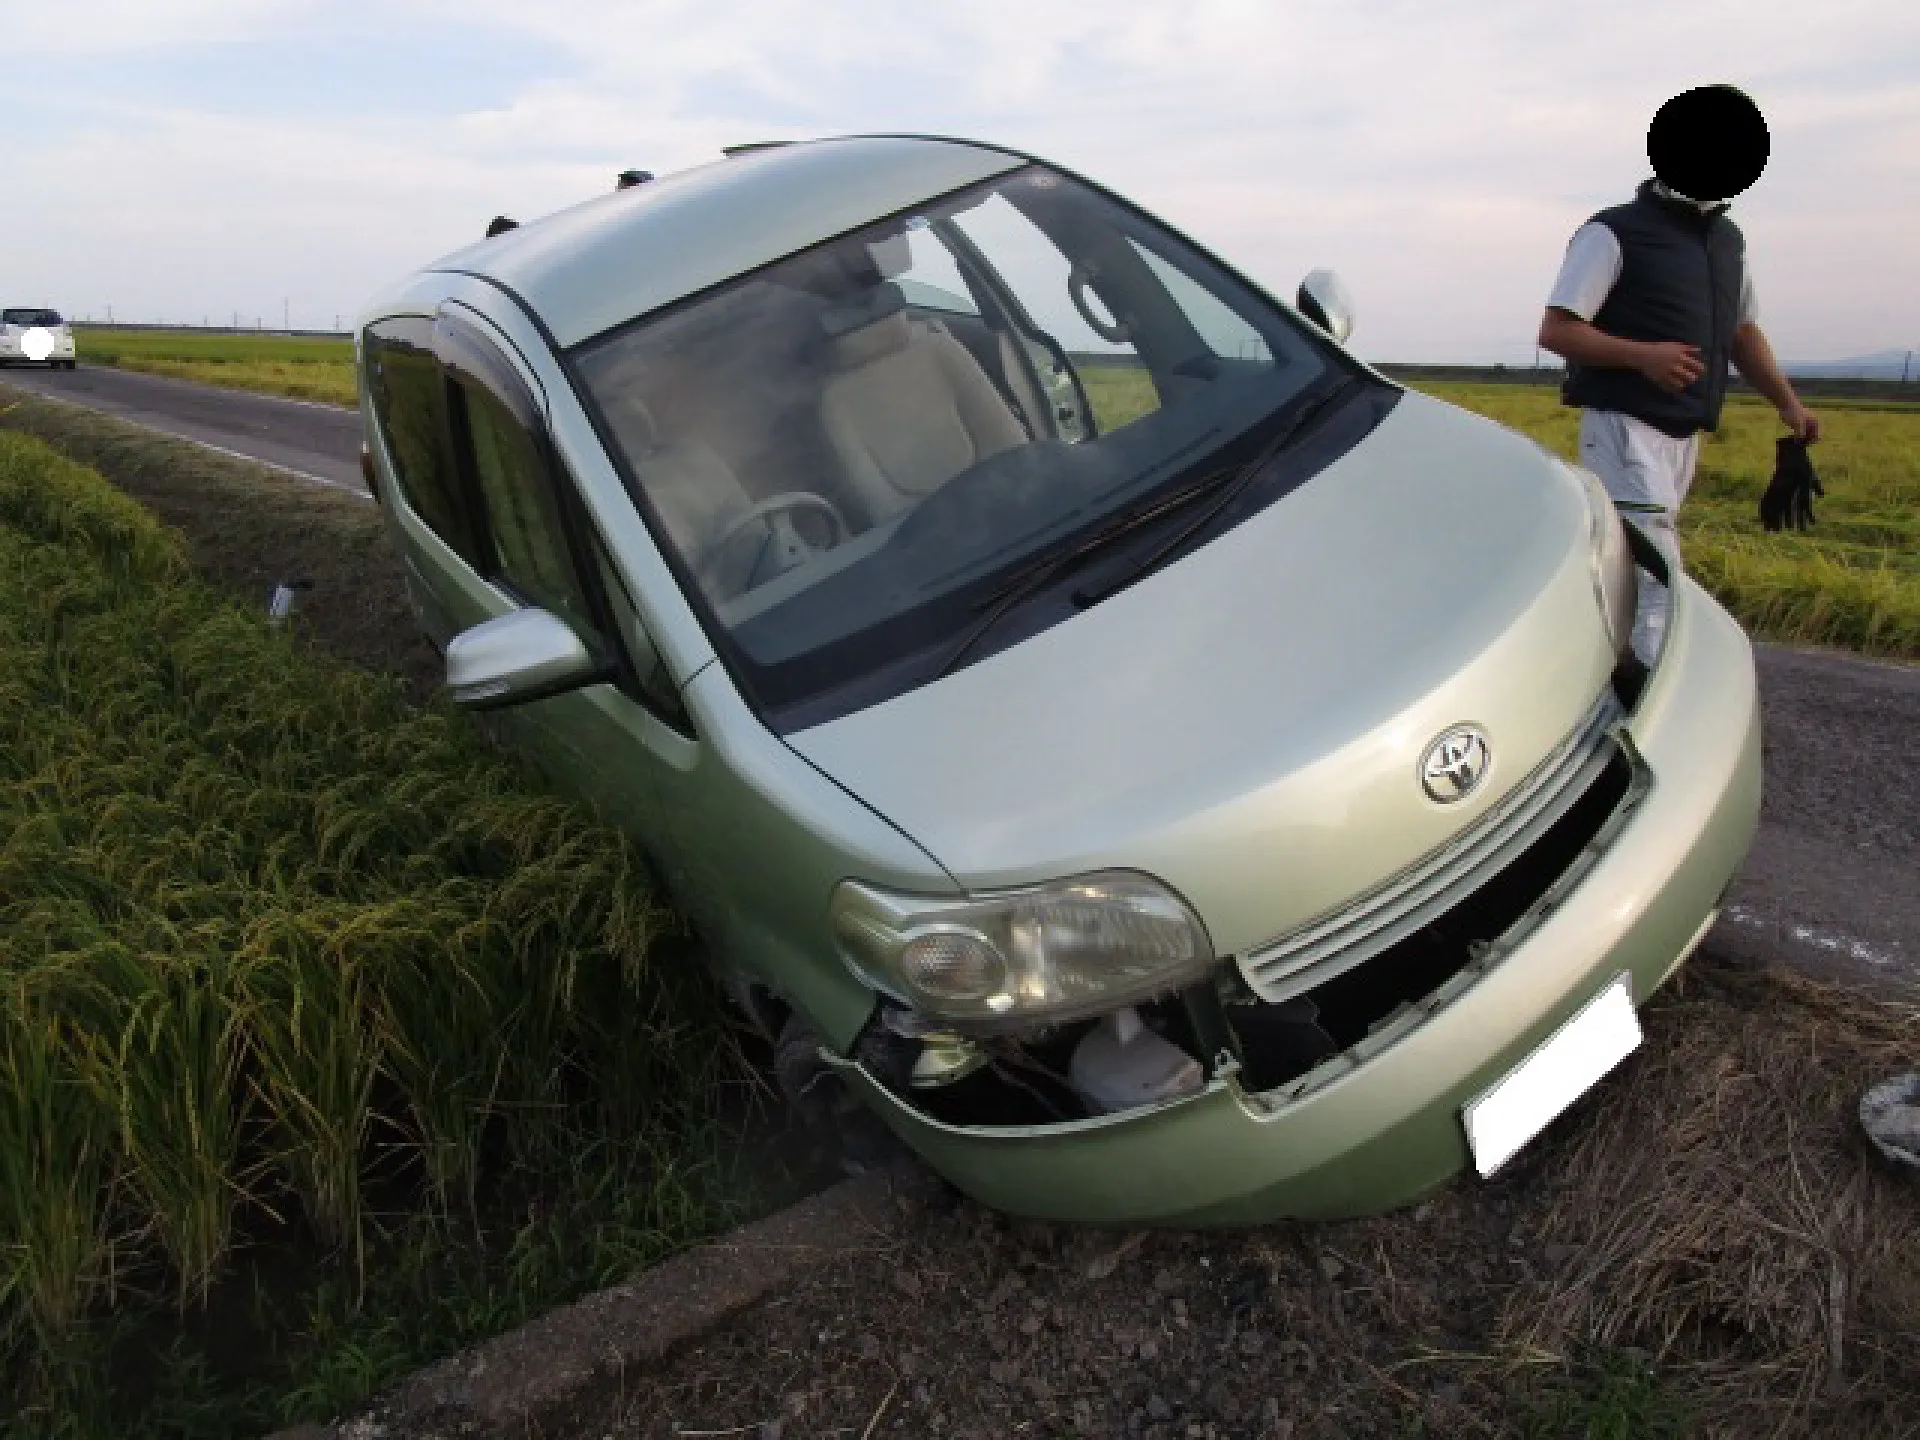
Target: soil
979, 1326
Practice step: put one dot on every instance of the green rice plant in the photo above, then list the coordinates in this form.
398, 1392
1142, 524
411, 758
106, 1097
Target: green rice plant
1812, 597
303, 367
58, 1173
317, 1056
48, 497
442, 1018
1852, 581
283, 936
172, 1075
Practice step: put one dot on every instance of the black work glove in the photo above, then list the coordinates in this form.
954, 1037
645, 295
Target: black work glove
1788, 502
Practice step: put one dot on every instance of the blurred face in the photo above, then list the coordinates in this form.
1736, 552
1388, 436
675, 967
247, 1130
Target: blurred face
1707, 145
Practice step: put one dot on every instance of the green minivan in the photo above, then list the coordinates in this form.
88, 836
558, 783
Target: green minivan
1166, 770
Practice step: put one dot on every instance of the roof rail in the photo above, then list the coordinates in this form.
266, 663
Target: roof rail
731, 150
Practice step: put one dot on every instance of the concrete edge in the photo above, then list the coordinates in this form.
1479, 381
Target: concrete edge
538, 1379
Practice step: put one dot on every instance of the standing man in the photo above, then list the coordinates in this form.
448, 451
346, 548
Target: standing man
1652, 303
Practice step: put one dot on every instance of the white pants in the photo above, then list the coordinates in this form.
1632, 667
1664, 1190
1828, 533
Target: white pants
1648, 473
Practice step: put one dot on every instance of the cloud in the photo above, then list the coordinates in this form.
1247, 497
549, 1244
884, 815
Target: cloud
1437, 154
97, 27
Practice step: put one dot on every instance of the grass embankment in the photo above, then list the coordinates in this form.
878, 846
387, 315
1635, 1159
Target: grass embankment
294, 366
319, 1024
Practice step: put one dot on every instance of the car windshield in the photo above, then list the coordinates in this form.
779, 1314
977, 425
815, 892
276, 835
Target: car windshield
30, 317
855, 454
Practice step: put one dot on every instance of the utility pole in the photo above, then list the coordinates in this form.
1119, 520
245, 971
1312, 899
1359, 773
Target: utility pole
1906, 365
286, 314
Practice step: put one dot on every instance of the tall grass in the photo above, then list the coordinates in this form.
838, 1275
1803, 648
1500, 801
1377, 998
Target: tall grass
272, 942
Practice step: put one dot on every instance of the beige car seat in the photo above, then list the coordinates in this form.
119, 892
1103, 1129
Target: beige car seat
905, 408
696, 497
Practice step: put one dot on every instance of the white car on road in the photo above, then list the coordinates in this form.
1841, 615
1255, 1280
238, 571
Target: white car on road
36, 336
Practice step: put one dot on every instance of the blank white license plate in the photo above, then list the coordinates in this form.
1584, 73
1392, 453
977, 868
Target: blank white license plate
1567, 1065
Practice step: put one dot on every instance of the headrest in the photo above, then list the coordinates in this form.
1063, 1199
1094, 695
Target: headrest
869, 305
891, 256
633, 422
867, 344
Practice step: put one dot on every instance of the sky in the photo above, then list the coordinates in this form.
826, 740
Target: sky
190, 160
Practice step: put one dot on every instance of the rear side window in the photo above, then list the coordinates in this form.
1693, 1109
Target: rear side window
523, 513
31, 317
408, 390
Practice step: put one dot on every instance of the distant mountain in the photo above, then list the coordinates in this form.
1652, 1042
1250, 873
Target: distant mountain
1881, 365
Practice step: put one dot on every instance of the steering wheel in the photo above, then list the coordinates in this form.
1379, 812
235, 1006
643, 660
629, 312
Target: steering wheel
1077, 278
788, 545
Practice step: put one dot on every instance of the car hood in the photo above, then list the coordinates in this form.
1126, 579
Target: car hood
1248, 724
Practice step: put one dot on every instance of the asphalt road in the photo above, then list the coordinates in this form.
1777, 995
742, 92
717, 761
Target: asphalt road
316, 442
1833, 883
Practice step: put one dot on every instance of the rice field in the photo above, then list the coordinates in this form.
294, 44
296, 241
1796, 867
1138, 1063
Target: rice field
284, 958
1851, 582
298, 367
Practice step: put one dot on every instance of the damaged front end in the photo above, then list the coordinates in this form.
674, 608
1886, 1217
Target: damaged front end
999, 1032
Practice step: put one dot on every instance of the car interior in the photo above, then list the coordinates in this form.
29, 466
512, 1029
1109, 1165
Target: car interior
784, 425
851, 406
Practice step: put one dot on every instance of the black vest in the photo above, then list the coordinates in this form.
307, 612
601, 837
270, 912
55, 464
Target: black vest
1680, 274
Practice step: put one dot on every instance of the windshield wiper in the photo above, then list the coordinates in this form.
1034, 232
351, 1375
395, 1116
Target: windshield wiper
1230, 487
1024, 582
1223, 484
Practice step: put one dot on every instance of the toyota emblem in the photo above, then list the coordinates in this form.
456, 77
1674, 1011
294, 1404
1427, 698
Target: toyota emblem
1455, 764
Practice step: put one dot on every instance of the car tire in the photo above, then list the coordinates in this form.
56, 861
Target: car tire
825, 1108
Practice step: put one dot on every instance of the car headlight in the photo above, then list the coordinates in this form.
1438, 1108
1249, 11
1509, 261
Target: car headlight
1615, 583
1008, 961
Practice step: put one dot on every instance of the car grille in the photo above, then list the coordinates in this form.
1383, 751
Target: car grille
1335, 942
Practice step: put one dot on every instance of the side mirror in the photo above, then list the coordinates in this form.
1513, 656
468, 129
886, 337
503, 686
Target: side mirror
1324, 300
527, 655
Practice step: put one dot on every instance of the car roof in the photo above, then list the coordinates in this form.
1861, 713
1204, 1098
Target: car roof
588, 268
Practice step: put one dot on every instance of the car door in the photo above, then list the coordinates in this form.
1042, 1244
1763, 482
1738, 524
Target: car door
541, 549
510, 532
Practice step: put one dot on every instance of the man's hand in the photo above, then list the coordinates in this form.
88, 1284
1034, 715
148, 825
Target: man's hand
1670, 364
1804, 424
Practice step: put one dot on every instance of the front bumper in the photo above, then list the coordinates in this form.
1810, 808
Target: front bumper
1387, 1130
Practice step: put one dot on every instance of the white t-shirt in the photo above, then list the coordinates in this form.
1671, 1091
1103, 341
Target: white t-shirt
1593, 265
